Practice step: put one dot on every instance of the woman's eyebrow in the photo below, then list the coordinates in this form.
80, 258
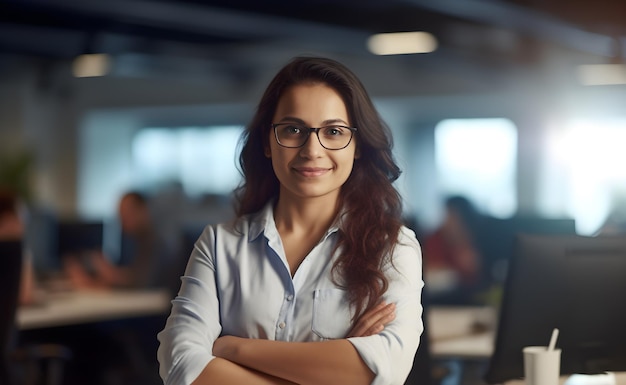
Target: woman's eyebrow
292, 119
329, 122
326, 122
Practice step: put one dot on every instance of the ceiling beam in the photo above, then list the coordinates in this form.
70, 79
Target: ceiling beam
526, 21
212, 22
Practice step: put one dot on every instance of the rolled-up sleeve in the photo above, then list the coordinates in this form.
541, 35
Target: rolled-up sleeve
390, 353
186, 342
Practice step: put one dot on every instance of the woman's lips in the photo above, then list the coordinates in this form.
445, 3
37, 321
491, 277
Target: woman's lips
311, 171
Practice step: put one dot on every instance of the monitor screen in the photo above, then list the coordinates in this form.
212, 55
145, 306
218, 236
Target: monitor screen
78, 236
574, 283
499, 238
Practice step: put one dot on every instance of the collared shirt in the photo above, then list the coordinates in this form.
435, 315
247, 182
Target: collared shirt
238, 282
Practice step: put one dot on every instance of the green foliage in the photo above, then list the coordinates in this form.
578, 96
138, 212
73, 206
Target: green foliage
15, 172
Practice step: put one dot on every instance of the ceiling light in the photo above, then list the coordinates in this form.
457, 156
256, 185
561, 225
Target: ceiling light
401, 43
601, 74
91, 65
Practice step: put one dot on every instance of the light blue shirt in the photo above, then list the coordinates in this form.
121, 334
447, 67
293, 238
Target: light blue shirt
238, 282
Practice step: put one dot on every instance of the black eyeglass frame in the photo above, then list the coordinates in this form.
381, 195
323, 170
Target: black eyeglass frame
317, 133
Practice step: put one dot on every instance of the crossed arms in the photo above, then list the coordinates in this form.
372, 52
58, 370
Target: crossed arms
257, 361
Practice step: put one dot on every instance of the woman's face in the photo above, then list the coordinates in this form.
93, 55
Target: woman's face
311, 171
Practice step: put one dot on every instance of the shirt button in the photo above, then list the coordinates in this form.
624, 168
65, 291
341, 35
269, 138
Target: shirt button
281, 325
289, 297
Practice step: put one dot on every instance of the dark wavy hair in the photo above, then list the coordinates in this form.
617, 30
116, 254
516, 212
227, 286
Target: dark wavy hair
372, 205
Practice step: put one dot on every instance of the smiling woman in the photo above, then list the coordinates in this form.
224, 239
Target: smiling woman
310, 169
316, 281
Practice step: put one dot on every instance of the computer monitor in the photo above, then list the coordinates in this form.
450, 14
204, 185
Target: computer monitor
498, 238
574, 283
74, 237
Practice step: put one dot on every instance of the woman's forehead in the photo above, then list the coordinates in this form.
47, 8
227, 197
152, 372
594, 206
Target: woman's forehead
311, 103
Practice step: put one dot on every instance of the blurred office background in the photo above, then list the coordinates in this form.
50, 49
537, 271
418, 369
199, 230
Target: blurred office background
517, 105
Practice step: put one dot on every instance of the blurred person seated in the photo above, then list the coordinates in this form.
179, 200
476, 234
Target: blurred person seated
150, 253
12, 228
127, 346
452, 255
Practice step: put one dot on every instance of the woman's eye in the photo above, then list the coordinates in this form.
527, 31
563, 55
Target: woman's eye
334, 131
293, 130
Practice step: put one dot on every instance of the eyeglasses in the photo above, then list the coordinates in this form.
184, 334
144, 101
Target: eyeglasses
293, 135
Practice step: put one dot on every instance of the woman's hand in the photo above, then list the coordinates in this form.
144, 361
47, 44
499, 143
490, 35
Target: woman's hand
225, 347
374, 320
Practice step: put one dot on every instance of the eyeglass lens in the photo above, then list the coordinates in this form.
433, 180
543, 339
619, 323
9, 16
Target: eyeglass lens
330, 137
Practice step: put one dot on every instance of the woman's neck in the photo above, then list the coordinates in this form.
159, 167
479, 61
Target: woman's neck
307, 216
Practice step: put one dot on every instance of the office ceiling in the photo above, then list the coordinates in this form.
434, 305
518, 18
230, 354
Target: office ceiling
480, 41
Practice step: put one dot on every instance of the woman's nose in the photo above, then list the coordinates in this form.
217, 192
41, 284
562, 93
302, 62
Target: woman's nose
313, 147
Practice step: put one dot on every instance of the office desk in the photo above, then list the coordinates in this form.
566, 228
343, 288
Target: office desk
468, 333
620, 379
77, 307
461, 331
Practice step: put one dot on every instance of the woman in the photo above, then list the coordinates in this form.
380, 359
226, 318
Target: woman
316, 281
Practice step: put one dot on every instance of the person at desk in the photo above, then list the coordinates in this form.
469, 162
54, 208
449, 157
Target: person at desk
452, 255
316, 280
150, 253
127, 346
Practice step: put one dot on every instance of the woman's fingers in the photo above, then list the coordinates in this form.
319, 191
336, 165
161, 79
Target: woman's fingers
374, 320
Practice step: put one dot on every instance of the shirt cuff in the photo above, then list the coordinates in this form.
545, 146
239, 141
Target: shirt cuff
375, 356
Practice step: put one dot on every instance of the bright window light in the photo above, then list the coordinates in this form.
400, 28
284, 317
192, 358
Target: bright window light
202, 159
477, 158
584, 170
207, 163
402, 43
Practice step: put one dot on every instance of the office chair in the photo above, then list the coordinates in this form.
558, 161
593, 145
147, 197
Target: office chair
40, 363
10, 272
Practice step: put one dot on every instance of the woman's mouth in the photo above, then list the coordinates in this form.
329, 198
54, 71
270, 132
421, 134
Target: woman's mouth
311, 171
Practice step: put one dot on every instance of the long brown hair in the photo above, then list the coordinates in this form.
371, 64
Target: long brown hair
372, 205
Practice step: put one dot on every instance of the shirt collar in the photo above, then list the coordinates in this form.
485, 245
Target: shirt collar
263, 222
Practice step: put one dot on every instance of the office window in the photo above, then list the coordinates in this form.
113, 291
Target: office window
202, 159
584, 174
477, 158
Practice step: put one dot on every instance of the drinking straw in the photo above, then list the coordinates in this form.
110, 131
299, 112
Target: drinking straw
555, 335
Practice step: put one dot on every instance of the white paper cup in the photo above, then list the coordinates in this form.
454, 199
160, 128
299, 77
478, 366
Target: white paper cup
541, 366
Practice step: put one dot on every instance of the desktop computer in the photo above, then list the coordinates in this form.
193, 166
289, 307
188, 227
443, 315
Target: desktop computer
574, 283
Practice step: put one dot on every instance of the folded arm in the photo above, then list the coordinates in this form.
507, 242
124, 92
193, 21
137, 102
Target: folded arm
299, 362
327, 362
224, 372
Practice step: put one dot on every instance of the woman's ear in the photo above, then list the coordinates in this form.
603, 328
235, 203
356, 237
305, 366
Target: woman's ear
267, 152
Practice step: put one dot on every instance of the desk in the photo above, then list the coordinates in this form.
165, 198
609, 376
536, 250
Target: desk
620, 379
468, 332
461, 331
76, 307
